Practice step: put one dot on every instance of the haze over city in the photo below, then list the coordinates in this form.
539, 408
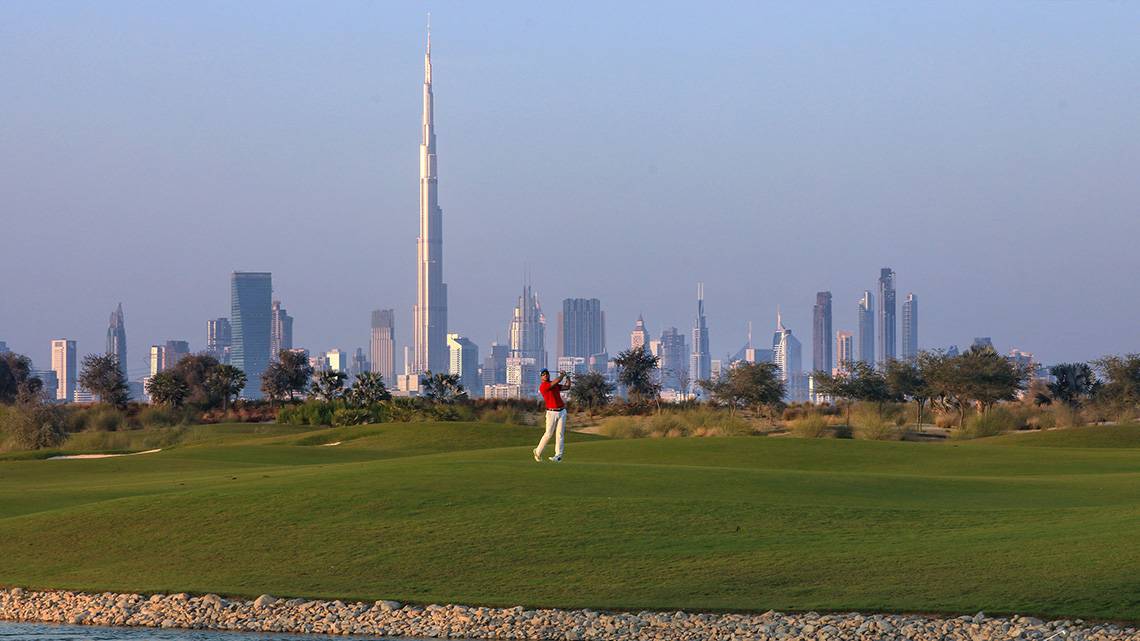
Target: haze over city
622, 153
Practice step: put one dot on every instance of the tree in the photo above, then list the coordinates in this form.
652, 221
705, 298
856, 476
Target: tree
442, 388
1121, 380
748, 384
194, 371
905, 380
166, 389
329, 385
990, 377
289, 375
869, 385
226, 382
637, 372
591, 390
836, 386
1073, 384
16, 380
368, 390
102, 376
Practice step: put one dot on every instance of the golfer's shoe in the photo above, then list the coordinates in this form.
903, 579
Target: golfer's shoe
556, 459
537, 456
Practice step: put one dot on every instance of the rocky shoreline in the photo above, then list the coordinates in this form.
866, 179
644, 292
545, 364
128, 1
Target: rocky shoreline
390, 618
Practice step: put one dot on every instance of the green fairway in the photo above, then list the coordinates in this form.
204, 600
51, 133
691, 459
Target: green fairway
460, 512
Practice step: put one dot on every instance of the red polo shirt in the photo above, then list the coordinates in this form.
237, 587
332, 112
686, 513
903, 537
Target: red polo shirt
552, 394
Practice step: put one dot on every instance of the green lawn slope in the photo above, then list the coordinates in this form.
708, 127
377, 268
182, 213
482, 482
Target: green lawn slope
460, 512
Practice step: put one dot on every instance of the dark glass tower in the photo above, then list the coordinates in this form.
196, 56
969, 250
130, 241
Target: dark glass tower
821, 360
117, 339
251, 299
581, 328
887, 320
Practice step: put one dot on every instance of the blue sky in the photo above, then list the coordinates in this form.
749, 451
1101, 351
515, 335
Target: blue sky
988, 152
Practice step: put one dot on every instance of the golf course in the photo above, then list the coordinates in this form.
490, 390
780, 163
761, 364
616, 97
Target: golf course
1040, 523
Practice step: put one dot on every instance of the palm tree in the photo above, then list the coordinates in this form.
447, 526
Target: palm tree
166, 389
226, 381
1072, 384
329, 385
442, 388
369, 389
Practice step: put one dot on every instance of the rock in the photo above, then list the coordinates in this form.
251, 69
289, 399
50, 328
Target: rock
388, 606
264, 601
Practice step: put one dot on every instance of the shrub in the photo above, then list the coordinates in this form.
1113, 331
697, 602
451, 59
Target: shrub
1041, 421
809, 426
33, 426
622, 427
307, 413
506, 415
992, 423
161, 416
868, 424
351, 416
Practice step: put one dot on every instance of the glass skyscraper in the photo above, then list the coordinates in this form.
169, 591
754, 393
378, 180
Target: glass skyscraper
251, 299
910, 327
821, 333
887, 320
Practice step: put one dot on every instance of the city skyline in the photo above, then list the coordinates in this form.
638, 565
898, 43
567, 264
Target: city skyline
951, 266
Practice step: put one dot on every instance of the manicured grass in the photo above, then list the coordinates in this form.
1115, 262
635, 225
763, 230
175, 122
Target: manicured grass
460, 512
1114, 436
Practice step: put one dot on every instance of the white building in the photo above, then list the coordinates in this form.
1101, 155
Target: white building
63, 364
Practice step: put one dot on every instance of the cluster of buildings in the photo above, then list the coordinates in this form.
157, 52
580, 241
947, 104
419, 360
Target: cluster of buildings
259, 328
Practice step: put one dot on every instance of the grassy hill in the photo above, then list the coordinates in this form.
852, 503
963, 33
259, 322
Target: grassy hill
460, 512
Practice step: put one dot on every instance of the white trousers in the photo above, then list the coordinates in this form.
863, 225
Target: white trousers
554, 419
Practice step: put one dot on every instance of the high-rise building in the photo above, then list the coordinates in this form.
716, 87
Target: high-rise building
674, 363
495, 366
219, 337
821, 333
866, 352
982, 342
117, 339
528, 344
251, 299
63, 364
383, 344
430, 313
4, 348
910, 328
581, 327
280, 330
844, 351
700, 360
336, 360
173, 352
887, 321
464, 363
157, 359
639, 337
359, 364
788, 355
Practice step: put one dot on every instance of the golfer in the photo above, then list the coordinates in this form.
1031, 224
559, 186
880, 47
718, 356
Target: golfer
555, 415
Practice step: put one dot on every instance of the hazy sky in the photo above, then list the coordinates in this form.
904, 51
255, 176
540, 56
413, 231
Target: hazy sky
988, 152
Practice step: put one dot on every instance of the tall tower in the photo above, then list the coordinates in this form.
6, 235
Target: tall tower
887, 324
639, 337
382, 346
251, 311
63, 364
821, 333
910, 327
117, 339
280, 330
866, 351
431, 352
700, 361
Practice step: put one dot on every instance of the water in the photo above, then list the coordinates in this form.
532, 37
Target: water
53, 632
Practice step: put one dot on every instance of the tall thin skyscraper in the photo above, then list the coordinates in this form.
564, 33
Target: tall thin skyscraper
117, 339
63, 364
581, 328
383, 344
910, 328
219, 337
431, 352
251, 299
844, 351
639, 337
280, 330
528, 344
788, 355
887, 320
173, 352
674, 363
867, 328
821, 333
700, 361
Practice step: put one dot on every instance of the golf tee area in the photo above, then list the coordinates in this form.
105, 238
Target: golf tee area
1042, 524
